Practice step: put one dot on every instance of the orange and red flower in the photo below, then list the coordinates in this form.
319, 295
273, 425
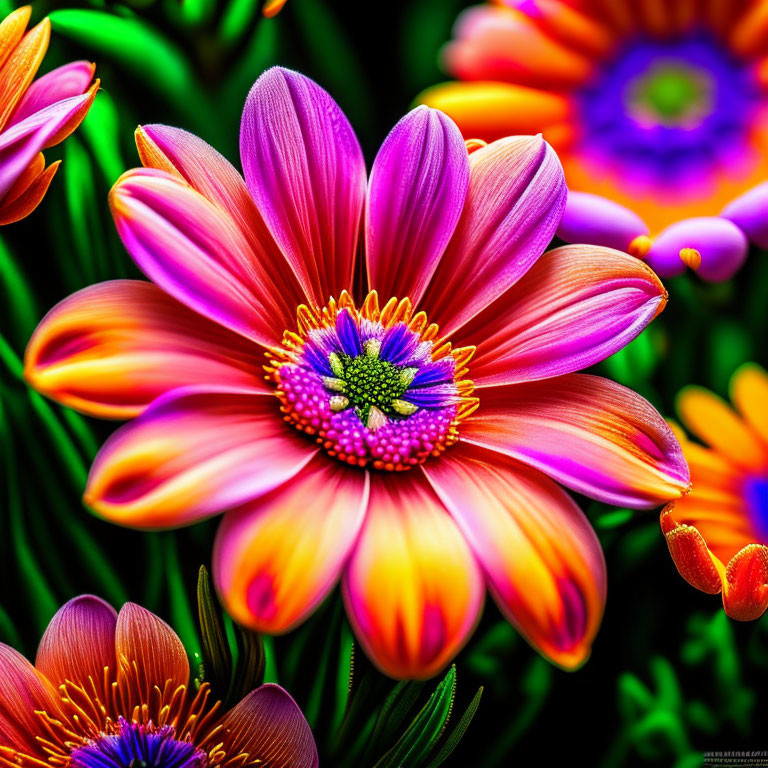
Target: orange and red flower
718, 534
657, 108
34, 114
369, 454
113, 690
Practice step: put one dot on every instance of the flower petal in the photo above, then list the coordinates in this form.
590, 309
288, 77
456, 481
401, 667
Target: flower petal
491, 110
79, 643
576, 306
25, 691
274, 561
515, 200
412, 588
269, 727
149, 654
542, 559
20, 68
589, 433
597, 220
747, 212
27, 192
749, 393
110, 349
12, 30
195, 252
722, 245
22, 143
192, 454
745, 596
689, 551
185, 155
305, 170
714, 422
417, 190
61, 83
505, 44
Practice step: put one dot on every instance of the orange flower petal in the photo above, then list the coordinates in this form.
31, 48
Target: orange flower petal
18, 206
149, 654
745, 596
412, 588
749, 393
492, 110
712, 420
694, 561
12, 30
79, 643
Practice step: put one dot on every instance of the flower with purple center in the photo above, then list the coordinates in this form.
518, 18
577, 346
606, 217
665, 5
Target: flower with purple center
657, 108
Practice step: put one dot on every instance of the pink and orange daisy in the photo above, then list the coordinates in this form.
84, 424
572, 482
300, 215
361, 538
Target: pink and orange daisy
34, 114
657, 108
408, 446
718, 534
112, 690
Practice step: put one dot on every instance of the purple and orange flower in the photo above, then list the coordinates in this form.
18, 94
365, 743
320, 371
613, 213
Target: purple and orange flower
658, 110
112, 690
271, 377
718, 534
34, 114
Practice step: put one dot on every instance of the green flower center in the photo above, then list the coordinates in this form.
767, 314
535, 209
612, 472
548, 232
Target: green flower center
671, 93
372, 386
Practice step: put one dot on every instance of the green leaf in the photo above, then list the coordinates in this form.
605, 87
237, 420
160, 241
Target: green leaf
142, 50
426, 728
217, 658
457, 734
251, 664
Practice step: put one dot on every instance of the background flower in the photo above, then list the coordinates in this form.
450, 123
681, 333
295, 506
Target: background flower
717, 534
658, 112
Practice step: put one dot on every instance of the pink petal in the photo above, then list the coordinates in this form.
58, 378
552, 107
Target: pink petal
413, 589
749, 212
591, 434
515, 200
213, 176
722, 245
305, 169
597, 220
61, 83
417, 189
269, 727
542, 559
196, 253
110, 349
576, 306
192, 454
275, 560
21, 143
79, 643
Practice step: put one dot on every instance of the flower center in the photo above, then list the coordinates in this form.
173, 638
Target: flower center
670, 93
372, 386
135, 745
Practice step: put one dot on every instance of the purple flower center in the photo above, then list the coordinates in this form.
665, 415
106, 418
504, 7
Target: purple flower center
373, 387
135, 745
668, 114
756, 494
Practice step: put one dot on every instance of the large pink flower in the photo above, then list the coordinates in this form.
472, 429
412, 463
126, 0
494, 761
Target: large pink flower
367, 454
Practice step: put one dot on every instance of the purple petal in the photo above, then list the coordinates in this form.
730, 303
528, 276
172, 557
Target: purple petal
722, 245
348, 333
516, 198
417, 190
750, 213
269, 727
398, 344
596, 220
305, 170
